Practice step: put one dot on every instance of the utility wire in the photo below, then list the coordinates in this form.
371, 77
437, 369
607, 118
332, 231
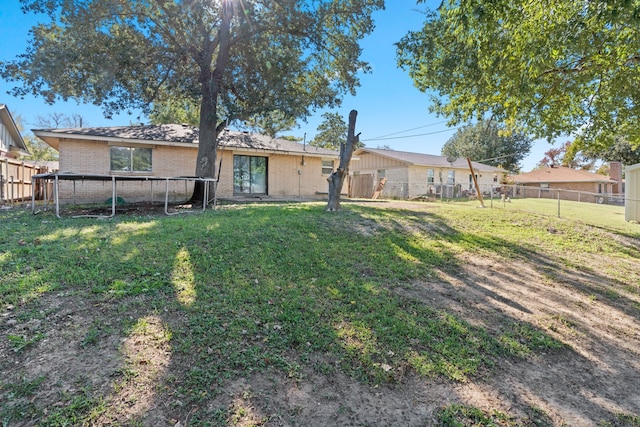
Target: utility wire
411, 136
408, 130
496, 158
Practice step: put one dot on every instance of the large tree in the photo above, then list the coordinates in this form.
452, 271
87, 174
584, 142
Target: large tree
620, 151
548, 67
234, 58
486, 142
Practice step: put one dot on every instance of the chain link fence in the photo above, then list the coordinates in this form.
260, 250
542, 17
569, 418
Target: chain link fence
547, 201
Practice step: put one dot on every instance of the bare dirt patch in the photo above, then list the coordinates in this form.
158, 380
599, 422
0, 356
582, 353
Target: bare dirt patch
66, 347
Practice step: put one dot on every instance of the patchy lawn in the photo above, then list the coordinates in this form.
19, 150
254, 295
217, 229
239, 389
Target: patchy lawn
277, 315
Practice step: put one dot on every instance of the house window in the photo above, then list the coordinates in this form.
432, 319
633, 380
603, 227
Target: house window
382, 173
130, 159
471, 183
451, 177
544, 186
430, 176
495, 177
327, 167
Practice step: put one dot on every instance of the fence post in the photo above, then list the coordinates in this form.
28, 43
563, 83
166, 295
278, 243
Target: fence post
22, 181
558, 204
491, 195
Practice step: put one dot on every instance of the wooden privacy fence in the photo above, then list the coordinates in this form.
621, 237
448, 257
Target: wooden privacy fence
361, 186
15, 181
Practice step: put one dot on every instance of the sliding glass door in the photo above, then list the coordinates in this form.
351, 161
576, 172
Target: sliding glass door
249, 175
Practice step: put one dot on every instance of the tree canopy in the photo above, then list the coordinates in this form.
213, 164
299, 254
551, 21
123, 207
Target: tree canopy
332, 132
567, 155
235, 59
621, 151
547, 68
271, 123
485, 142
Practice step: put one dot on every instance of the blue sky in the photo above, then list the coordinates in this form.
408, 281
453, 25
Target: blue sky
388, 104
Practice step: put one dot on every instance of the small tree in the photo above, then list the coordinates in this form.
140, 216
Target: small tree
487, 142
336, 179
38, 149
567, 155
332, 132
271, 123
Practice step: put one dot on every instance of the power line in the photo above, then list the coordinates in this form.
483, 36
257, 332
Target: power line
496, 158
408, 130
411, 136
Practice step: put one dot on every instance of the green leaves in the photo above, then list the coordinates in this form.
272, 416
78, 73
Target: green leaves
332, 132
288, 56
489, 143
546, 68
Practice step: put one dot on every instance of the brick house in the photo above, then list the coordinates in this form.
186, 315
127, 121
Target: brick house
572, 182
249, 165
414, 174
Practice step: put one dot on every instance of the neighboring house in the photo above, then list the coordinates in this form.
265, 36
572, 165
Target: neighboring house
632, 193
572, 182
11, 143
411, 175
248, 164
15, 175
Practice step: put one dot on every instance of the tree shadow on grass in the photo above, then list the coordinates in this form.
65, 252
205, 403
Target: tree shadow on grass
575, 305
271, 293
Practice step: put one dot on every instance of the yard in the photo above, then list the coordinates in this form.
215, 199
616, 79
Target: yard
385, 313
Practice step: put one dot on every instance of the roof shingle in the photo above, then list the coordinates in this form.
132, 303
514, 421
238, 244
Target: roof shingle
175, 133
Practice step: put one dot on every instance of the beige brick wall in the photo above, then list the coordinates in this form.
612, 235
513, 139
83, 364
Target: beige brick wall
283, 179
576, 191
92, 157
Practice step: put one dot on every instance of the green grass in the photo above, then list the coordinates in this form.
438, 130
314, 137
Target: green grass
272, 287
600, 215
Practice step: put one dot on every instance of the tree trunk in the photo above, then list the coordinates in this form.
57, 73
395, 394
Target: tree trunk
207, 147
336, 179
211, 84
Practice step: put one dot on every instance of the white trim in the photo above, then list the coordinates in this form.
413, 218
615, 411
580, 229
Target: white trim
632, 167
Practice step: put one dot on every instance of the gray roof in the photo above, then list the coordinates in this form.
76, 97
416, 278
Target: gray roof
420, 159
174, 133
159, 133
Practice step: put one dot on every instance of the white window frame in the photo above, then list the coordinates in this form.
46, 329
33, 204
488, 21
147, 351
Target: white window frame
431, 176
131, 150
327, 166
